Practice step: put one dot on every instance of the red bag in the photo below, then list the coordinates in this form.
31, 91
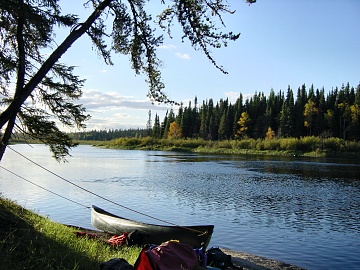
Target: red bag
143, 262
118, 240
169, 255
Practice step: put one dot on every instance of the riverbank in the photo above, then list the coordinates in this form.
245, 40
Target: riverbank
30, 241
253, 262
311, 146
306, 146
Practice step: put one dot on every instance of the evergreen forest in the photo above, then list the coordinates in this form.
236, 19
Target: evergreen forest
287, 114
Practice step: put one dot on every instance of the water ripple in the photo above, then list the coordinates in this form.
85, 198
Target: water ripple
296, 210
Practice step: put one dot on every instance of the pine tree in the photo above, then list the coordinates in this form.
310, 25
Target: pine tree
156, 131
210, 120
299, 106
165, 126
169, 120
355, 116
223, 126
287, 115
320, 124
238, 110
185, 122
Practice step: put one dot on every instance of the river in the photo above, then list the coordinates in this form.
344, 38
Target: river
298, 210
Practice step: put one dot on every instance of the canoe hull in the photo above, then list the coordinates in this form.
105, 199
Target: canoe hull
157, 234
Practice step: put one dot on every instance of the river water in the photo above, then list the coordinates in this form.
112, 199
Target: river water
297, 210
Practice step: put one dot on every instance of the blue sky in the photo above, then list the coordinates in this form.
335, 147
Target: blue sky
282, 43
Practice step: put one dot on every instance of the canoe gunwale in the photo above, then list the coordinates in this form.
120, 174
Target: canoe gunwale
193, 235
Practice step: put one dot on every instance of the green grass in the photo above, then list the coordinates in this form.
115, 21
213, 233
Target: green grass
305, 146
309, 146
30, 241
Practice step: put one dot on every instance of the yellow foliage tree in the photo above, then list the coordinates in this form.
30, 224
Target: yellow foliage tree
329, 117
355, 113
310, 111
175, 131
270, 134
243, 123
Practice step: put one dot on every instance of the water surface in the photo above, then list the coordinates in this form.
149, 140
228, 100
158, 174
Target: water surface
301, 211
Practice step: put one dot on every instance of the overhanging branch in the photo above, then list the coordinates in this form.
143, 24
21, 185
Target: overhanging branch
48, 64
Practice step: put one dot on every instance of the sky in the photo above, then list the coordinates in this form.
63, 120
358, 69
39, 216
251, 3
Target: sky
282, 43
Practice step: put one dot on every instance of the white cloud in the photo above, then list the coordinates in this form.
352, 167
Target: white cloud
183, 56
172, 48
233, 96
167, 47
110, 110
97, 100
116, 121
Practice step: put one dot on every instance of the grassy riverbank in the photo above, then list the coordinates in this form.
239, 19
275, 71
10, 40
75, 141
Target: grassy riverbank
306, 146
30, 241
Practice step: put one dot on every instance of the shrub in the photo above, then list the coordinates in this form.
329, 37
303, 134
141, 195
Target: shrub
273, 144
289, 144
260, 145
334, 144
310, 143
224, 144
352, 146
147, 141
244, 144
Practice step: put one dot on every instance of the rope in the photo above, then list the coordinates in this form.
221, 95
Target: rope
96, 195
44, 188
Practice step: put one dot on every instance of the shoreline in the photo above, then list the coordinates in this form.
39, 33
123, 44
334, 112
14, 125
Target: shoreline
244, 260
253, 262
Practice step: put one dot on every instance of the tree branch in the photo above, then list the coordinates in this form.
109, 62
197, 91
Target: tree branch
48, 64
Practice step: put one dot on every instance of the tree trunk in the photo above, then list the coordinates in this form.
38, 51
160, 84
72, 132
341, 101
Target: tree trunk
7, 135
19, 82
49, 63
23, 92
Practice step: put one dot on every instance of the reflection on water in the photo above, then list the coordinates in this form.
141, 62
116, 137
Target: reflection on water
301, 211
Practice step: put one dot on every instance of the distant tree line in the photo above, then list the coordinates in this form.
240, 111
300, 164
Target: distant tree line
312, 112
107, 135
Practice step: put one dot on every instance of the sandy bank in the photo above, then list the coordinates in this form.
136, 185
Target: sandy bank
250, 261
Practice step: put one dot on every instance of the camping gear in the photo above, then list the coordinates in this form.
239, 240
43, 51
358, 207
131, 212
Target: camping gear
218, 259
169, 255
116, 264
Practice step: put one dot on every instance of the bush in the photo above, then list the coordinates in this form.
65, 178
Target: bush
273, 144
130, 141
224, 144
183, 143
352, 146
334, 144
289, 144
260, 145
310, 143
304, 144
244, 144
147, 141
